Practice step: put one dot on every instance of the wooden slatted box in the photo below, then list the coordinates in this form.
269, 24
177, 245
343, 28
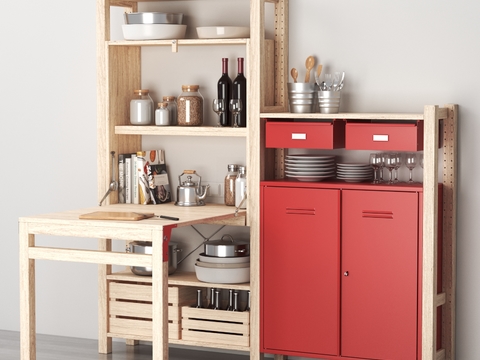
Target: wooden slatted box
130, 310
216, 326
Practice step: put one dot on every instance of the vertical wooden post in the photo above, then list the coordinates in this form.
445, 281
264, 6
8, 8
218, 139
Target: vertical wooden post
27, 295
159, 296
449, 229
104, 342
430, 230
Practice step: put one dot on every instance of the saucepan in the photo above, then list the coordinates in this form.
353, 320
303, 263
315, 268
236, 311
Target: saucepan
145, 247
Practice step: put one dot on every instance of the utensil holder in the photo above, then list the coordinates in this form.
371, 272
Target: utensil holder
329, 101
301, 97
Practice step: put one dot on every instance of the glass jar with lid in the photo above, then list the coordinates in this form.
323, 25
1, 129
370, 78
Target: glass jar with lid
190, 106
162, 115
172, 108
241, 188
141, 108
230, 185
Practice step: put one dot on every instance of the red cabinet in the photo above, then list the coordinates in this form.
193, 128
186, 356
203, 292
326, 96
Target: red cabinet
379, 274
300, 264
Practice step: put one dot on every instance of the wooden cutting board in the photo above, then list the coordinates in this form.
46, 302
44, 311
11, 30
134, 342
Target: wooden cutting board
116, 215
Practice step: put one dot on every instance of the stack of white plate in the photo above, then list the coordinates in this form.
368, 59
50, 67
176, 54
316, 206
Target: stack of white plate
310, 167
354, 172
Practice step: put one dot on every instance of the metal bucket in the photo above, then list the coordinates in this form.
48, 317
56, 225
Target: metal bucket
329, 101
301, 97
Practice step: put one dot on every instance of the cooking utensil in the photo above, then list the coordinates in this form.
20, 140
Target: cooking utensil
227, 247
222, 276
190, 193
319, 69
153, 18
294, 74
223, 260
309, 64
113, 183
145, 247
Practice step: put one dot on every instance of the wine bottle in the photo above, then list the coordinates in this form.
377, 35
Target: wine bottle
230, 300
247, 308
211, 305
199, 299
239, 91
224, 89
217, 300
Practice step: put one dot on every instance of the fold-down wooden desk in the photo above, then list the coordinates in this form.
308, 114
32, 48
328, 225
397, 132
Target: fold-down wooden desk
68, 224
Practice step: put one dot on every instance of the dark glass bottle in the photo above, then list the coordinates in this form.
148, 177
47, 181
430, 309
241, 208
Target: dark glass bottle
224, 91
235, 302
230, 300
199, 299
239, 91
217, 300
211, 305
247, 308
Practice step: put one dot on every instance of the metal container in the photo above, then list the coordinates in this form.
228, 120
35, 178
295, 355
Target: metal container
145, 247
227, 247
301, 97
190, 193
329, 101
153, 18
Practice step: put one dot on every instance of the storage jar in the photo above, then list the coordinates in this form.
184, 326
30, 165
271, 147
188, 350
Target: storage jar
190, 106
172, 108
141, 108
162, 115
229, 196
241, 188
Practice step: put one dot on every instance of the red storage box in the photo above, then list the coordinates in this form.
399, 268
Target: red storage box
305, 135
384, 136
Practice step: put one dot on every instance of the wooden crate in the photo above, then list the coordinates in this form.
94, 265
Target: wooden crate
130, 310
216, 326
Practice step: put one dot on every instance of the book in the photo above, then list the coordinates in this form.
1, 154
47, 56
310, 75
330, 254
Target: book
143, 186
134, 172
121, 179
161, 186
128, 178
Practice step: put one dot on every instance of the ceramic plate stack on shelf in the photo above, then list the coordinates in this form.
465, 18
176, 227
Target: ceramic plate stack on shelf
310, 167
354, 172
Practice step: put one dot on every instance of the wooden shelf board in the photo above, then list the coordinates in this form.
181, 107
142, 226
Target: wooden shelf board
181, 131
178, 278
355, 116
179, 42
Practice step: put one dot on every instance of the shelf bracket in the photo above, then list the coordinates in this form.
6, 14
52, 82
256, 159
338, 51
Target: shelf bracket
174, 46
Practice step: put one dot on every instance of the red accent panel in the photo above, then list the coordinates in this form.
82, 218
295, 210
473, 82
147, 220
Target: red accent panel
305, 135
167, 233
376, 136
299, 270
379, 295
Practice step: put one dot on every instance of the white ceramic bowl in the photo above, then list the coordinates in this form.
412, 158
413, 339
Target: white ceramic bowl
223, 276
153, 31
221, 266
223, 260
223, 32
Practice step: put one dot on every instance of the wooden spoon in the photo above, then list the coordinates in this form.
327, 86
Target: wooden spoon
294, 74
309, 64
319, 70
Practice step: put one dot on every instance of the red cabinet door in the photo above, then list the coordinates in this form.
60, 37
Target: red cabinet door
379, 275
300, 266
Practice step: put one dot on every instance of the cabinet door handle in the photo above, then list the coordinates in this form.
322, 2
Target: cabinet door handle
299, 136
380, 137
299, 211
373, 214
345, 273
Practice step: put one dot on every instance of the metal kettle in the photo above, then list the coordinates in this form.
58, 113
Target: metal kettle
190, 193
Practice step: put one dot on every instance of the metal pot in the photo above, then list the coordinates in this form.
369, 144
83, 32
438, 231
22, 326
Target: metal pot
190, 193
227, 247
145, 247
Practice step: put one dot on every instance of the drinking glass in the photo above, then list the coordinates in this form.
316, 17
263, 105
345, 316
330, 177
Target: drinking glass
411, 162
382, 165
390, 161
235, 107
219, 107
375, 162
398, 164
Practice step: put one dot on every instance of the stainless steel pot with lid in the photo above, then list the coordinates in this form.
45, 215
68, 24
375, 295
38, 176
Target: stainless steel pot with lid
227, 247
145, 247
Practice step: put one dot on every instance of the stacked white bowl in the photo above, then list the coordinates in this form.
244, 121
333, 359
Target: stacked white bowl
223, 270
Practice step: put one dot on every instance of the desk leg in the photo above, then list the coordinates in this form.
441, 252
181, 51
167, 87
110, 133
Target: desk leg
159, 295
104, 342
27, 295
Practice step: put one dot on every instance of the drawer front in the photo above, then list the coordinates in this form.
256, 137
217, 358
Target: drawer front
401, 137
318, 135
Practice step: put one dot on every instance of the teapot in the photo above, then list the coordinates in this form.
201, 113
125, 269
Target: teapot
190, 193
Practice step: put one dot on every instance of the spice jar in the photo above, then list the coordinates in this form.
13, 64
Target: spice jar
172, 108
141, 108
162, 115
230, 185
241, 188
190, 106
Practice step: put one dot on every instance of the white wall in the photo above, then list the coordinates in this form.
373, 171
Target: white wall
398, 56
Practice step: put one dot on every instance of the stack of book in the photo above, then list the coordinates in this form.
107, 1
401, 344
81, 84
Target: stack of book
143, 178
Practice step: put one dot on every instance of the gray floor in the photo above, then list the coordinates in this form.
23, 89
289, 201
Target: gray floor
65, 348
